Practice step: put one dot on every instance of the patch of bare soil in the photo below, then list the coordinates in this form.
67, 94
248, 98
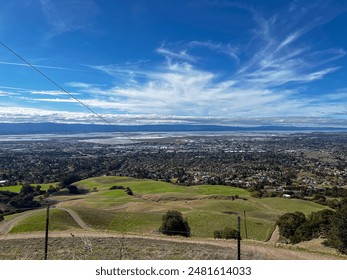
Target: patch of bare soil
275, 236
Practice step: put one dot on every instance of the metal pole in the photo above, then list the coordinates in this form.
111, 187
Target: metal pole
73, 246
244, 215
46, 237
238, 238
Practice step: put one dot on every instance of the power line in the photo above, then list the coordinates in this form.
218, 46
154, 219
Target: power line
65, 91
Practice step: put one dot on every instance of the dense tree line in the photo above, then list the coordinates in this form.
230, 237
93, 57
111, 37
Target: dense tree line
331, 225
24, 200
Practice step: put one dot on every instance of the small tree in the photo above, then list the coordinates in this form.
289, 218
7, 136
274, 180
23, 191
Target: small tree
27, 189
69, 179
174, 224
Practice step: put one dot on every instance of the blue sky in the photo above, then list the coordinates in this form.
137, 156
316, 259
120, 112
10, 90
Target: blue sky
176, 61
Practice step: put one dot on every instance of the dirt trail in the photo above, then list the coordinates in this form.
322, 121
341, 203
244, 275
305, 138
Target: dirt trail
76, 217
6, 226
275, 236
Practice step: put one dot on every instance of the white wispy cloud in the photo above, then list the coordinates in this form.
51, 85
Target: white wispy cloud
183, 89
52, 100
169, 54
14, 88
66, 16
263, 87
79, 85
227, 49
51, 92
38, 66
290, 39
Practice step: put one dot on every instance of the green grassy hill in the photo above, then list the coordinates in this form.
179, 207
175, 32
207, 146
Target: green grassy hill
59, 220
207, 207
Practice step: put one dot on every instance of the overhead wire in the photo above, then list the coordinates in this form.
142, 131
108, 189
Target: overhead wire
65, 91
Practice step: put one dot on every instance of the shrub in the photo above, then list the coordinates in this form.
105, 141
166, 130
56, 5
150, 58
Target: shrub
226, 233
217, 234
26, 189
117, 188
69, 179
129, 191
73, 189
174, 224
51, 190
320, 199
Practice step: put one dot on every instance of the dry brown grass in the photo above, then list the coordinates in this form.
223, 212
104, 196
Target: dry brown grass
111, 248
105, 246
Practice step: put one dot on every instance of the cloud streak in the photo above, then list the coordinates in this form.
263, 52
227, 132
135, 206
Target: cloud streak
35, 65
262, 80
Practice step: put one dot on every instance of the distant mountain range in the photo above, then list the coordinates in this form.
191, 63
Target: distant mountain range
49, 128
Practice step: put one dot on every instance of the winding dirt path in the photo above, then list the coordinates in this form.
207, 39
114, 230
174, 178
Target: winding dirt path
76, 217
7, 225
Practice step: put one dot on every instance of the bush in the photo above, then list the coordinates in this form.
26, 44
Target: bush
73, 189
320, 199
69, 179
117, 188
26, 189
226, 233
217, 234
129, 191
174, 224
51, 190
